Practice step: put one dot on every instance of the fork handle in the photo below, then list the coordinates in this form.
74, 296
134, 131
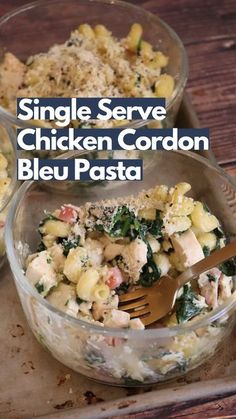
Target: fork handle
209, 262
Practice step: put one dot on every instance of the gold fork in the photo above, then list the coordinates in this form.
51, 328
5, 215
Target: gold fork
153, 303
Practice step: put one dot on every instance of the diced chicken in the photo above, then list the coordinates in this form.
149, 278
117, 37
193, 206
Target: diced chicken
79, 230
11, 76
41, 272
116, 318
95, 251
136, 324
100, 308
208, 283
112, 250
225, 287
57, 256
61, 296
134, 257
187, 248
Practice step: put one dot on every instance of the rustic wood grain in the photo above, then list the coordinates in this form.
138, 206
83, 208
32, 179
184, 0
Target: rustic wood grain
208, 30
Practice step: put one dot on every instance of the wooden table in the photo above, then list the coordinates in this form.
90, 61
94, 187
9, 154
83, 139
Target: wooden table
208, 30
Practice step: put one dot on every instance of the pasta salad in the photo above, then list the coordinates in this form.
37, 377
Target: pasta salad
90, 255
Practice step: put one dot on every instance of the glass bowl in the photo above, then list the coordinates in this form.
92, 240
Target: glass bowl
7, 149
122, 357
35, 27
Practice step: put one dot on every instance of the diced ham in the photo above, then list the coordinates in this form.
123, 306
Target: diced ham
187, 248
114, 278
68, 214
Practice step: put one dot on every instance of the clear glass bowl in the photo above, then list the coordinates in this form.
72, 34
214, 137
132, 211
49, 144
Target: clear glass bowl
122, 357
37, 26
8, 150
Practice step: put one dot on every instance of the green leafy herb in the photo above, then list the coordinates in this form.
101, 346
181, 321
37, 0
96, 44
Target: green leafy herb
39, 287
48, 216
229, 267
41, 247
153, 227
150, 274
211, 278
206, 251
124, 224
186, 305
219, 236
123, 288
139, 45
206, 208
80, 301
128, 381
138, 80
70, 244
94, 358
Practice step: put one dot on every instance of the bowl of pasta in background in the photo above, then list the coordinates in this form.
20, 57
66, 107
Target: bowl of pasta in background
34, 28
122, 357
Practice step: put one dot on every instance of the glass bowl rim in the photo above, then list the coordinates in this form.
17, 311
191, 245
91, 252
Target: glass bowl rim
10, 118
165, 332
13, 183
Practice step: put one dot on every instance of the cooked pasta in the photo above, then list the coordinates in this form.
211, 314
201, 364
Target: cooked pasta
127, 243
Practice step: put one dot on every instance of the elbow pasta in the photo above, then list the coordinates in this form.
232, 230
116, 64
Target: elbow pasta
208, 240
203, 220
75, 263
100, 292
56, 228
134, 37
86, 285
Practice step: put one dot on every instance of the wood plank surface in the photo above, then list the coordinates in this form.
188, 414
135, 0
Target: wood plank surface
208, 30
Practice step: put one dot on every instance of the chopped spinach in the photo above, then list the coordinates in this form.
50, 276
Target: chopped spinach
219, 235
138, 80
94, 358
123, 288
41, 247
68, 244
139, 46
39, 287
186, 308
150, 274
80, 301
206, 251
229, 267
205, 207
211, 278
48, 217
124, 224
128, 381
153, 227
